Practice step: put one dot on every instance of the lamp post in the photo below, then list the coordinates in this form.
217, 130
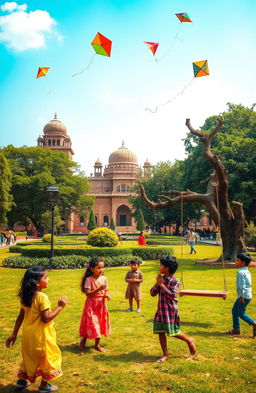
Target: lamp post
155, 217
53, 195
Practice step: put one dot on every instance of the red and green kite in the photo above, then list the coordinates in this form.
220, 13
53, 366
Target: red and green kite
42, 71
200, 68
152, 46
102, 45
183, 17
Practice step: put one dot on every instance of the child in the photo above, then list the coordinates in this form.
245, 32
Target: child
40, 353
133, 291
167, 320
244, 295
141, 239
95, 319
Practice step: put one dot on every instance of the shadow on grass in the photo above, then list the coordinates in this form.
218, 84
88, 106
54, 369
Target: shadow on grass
10, 388
133, 357
206, 333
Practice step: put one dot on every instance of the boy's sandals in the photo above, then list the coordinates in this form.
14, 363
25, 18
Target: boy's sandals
233, 332
48, 388
21, 384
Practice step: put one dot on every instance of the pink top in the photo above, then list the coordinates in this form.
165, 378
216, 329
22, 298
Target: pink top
92, 283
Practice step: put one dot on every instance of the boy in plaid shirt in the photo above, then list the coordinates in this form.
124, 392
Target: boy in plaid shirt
167, 319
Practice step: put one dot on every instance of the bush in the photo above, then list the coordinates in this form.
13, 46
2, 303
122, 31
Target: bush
65, 262
148, 253
250, 235
102, 237
47, 238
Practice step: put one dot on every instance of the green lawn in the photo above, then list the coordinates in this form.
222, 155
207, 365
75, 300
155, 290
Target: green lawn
224, 364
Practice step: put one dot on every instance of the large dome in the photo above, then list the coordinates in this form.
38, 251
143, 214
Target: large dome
55, 127
122, 155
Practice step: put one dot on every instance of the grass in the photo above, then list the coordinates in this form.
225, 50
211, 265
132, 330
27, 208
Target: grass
224, 364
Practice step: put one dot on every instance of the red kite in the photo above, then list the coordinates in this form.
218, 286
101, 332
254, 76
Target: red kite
152, 46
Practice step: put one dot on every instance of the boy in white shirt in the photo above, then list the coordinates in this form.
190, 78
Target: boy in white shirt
244, 295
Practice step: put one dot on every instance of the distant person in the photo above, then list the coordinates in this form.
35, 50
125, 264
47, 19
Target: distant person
192, 239
35, 235
95, 319
244, 295
167, 319
141, 239
40, 353
134, 278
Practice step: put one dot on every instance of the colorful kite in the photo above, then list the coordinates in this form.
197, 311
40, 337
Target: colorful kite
102, 45
200, 68
42, 71
183, 17
152, 46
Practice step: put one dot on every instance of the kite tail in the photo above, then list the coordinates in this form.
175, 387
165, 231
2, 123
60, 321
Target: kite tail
86, 68
172, 44
172, 99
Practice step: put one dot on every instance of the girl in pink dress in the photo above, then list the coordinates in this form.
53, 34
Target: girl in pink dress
95, 318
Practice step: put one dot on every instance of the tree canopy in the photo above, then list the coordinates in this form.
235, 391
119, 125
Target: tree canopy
34, 169
5, 186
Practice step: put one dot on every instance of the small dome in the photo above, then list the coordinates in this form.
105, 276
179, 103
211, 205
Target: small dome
55, 127
122, 155
98, 162
147, 164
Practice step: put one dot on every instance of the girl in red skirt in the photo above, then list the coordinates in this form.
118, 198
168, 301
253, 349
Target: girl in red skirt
95, 318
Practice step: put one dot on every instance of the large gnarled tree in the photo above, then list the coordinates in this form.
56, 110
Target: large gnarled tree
230, 218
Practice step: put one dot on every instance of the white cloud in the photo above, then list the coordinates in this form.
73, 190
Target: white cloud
11, 6
22, 30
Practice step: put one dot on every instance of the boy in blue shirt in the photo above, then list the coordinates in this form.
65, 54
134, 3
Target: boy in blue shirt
244, 295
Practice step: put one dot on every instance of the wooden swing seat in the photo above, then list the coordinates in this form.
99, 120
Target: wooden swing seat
200, 292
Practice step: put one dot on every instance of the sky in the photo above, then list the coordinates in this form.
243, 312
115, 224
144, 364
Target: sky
108, 102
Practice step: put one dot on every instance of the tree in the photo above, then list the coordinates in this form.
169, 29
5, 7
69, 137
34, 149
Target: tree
34, 170
235, 144
230, 220
5, 186
92, 222
140, 224
46, 220
112, 224
165, 176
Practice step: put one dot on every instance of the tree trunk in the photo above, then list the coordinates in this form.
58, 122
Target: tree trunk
231, 221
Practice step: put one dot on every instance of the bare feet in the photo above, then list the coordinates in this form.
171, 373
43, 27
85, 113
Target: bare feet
192, 347
99, 348
163, 359
82, 343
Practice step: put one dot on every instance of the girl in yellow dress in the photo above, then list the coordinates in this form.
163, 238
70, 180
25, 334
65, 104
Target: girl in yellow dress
40, 353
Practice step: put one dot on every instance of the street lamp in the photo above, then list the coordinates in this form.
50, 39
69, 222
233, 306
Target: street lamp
53, 195
155, 217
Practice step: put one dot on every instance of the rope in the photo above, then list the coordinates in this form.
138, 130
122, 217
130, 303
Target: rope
181, 249
222, 257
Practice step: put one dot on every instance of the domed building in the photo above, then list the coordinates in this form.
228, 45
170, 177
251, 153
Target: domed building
111, 188
55, 137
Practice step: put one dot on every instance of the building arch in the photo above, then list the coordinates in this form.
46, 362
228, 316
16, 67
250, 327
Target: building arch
106, 220
123, 216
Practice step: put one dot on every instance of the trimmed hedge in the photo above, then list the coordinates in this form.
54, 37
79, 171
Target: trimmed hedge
66, 262
142, 252
149, 253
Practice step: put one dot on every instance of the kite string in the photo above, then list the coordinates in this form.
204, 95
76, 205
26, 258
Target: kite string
172, 44
85, 69
172, 99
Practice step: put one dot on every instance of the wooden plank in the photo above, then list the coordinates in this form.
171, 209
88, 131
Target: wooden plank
201, 292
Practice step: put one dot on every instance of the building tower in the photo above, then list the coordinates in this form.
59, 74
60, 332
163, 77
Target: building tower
55, 137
